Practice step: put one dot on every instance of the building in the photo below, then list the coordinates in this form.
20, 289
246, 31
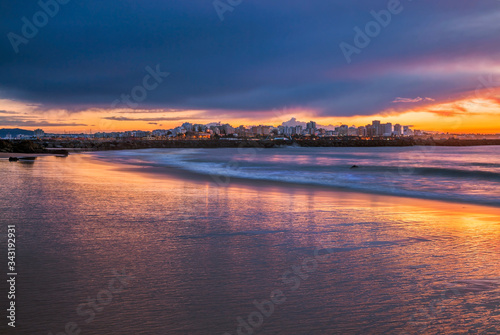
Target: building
228, 130
362, 131
311, 125
343, 130
376, 128
298, 130
352, 131
398, 130
311, 128
387, 130
39, 133
407, 131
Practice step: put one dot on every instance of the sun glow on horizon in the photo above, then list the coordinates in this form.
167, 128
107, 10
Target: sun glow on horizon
474, 114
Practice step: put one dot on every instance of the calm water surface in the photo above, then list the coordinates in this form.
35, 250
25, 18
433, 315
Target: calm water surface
200, 254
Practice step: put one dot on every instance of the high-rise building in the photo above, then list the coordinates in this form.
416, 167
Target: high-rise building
398, 130
362, 131
369, 130
387, 129
376, 131
311, 127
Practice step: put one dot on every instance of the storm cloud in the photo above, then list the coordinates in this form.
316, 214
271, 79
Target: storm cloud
264, 55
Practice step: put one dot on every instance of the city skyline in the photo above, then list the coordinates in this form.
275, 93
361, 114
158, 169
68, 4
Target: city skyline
287, 129
439, 120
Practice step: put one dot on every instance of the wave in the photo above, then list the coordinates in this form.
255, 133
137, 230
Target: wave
436, 171
450, 182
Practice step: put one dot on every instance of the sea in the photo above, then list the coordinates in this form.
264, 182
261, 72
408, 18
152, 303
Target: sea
465, 174
286, 240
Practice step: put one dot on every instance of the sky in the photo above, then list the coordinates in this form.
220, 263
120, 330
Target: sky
104, 65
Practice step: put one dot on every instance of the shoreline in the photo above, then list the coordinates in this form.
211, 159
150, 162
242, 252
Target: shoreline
132, 144
165, 172
63, 148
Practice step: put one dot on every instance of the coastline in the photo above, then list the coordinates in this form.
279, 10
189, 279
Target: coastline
152, 171
130, 144
64, 146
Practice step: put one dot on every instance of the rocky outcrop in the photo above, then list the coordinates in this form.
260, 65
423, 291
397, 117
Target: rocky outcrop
23, 146
26, 147
39, 147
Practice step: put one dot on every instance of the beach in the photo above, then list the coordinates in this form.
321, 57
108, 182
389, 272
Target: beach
112, 243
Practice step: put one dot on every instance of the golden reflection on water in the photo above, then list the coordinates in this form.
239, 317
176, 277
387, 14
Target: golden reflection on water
204, 252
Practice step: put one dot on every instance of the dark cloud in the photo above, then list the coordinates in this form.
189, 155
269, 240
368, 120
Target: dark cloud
5, 121
264, 55
152, 111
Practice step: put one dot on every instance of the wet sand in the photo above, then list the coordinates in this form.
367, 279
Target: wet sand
201, 254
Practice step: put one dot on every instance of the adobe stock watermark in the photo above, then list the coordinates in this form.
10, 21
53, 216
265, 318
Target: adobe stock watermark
292, 280
372, 29
223, 6
139, 93
96, 304
30, 28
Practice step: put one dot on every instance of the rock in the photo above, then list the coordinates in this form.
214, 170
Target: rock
13, 159
354, 167
60, 153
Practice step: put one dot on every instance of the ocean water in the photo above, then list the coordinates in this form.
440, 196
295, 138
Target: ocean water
467, 174
134, 242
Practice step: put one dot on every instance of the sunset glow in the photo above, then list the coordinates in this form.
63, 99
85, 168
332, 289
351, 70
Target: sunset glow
479, 114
